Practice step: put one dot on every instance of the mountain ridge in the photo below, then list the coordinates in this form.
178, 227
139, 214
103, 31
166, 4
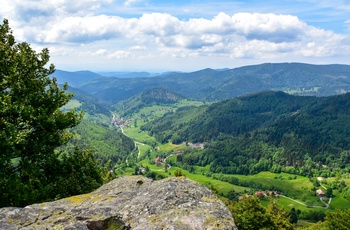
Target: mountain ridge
213, 85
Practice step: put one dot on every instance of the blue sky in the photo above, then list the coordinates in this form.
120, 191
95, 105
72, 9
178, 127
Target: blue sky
155, 35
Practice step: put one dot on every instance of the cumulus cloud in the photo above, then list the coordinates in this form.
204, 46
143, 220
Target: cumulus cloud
241, 35
129, 3
269, 27
246, 32
120, 54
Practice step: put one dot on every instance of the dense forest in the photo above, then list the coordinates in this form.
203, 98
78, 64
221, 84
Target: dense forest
265, 131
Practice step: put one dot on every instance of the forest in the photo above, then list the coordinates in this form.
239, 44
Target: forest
264, 131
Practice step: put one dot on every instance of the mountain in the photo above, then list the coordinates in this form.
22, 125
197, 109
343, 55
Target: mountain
89, 103
261, 130
214, 85
154, 96
229, 117
128, 74
74, 78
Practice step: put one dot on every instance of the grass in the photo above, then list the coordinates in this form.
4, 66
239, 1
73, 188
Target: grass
137, 134
71, 105
288, 204
339, 202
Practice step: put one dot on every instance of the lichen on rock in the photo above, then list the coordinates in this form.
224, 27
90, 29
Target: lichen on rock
129, 202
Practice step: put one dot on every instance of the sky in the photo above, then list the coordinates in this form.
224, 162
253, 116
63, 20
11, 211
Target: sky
182, 35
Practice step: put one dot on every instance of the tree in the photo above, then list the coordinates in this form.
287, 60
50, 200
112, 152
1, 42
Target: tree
340, 219
178, 173
32, 125
329, 192
293, 216
279, 218
249, 214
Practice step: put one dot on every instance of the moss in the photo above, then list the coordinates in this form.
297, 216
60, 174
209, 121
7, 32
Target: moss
79, 199
209, 199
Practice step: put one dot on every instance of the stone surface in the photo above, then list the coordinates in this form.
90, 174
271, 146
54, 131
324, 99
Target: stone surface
130, 202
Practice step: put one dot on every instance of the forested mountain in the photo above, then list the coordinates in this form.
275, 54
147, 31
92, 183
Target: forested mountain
214, 85
230, 117
155, 96
261, 131
74, 78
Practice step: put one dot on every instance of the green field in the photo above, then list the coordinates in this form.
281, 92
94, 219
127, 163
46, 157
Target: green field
71, 105
137, 134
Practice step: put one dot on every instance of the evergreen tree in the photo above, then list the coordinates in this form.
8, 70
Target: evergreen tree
249, 214
32, 126
293, 216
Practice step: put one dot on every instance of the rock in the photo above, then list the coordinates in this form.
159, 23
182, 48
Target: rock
130, 202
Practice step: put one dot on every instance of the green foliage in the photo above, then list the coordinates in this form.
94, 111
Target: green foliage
265, 131
32, 126
109, 143
249, 214
338, 220
178, 173
279, 218
293, 216
346, 193
154, 96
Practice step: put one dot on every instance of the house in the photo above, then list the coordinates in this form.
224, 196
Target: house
241, 197
158, 161
178, 151
261, 194
319, 192
273, 193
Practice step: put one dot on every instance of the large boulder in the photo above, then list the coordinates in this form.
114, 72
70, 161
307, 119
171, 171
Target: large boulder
130, 202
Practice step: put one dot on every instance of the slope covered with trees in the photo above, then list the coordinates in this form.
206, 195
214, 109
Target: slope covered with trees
33, 126
265, 131
154, 96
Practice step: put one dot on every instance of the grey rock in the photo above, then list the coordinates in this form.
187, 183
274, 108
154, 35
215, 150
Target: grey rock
130, 202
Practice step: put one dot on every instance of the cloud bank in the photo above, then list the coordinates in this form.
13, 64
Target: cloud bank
79, 27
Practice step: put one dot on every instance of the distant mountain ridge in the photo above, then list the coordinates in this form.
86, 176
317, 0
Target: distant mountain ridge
214, 85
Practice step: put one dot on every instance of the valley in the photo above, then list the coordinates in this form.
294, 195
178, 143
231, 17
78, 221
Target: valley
269, 142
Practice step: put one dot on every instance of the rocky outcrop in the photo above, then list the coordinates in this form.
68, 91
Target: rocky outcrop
130, 202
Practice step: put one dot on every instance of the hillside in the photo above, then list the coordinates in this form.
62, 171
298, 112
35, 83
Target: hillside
257, 132
230, 117
155, 96
213, 85
74, 78
89, 103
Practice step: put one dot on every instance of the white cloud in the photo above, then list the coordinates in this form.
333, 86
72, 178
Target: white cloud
79, 28
239, 35
129, 3
138, 48
120, 54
